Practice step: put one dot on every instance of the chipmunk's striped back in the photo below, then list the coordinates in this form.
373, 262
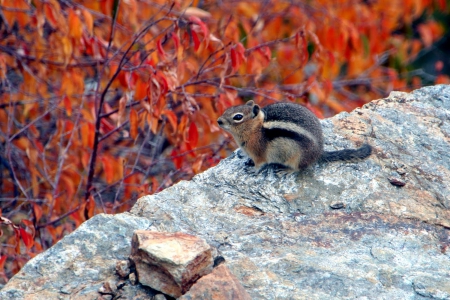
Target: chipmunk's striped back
282, 134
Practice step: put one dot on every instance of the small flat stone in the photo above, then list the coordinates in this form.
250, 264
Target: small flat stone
170, 262
396, 181
337, 205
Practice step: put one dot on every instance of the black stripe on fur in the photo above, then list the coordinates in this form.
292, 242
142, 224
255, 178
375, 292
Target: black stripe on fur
273, 133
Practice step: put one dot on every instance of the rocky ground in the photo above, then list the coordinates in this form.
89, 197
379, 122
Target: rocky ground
376, 229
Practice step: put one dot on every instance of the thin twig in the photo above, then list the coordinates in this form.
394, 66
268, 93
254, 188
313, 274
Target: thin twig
123, 60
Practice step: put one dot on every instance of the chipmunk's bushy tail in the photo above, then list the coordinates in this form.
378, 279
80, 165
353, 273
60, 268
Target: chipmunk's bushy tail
347, 154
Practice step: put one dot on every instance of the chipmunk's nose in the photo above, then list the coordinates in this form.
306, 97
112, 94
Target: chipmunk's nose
220, 122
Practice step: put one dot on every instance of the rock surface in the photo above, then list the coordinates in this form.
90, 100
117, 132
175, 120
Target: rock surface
170, 262
221, 284
376, 229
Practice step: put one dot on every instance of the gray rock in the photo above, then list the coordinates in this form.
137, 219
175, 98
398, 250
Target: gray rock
283, 237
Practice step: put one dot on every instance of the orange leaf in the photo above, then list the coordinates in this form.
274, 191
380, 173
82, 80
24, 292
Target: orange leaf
84, 133
67, 106
3, 67
91, 206
108, 169
140, 90
183, 124
37, 211
67, 49
75, 25
88, 21
172, 118
122, 111
178, 46
152, 121
134, 120
50, 15
87, 132
425, 34
267, 54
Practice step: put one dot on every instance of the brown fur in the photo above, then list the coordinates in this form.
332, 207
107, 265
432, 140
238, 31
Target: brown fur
247, 133
285, 134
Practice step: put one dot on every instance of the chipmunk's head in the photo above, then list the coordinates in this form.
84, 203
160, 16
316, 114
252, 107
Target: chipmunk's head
241, 117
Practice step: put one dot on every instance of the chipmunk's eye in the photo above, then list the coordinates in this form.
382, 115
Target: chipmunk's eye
238, 117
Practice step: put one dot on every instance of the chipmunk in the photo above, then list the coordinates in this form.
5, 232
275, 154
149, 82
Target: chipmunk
282, 135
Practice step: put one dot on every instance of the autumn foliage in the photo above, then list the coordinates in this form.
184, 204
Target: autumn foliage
104, 101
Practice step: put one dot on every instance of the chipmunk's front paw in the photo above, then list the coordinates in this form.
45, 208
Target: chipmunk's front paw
277, 169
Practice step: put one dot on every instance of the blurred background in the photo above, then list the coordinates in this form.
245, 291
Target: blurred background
102, 102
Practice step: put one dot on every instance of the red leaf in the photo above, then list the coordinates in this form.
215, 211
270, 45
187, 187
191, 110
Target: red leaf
133, 123
28, 223
17, 233
106, 126
131, 79
192, 135
149, 62
234, 60
2, 262
331, 57
202, 25
26, 238
328, 86
177, 159
165, 85
195, 39
241, 50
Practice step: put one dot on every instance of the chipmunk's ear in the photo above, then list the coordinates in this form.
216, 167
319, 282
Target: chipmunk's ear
250, 103
255, 110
